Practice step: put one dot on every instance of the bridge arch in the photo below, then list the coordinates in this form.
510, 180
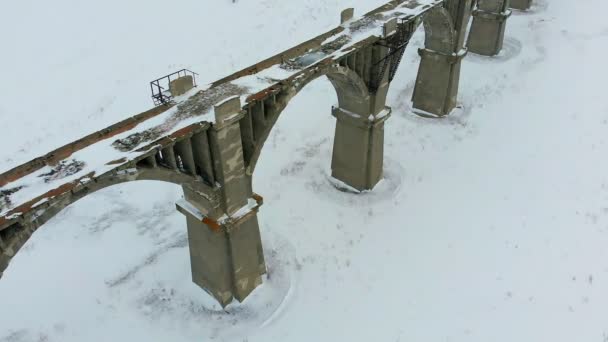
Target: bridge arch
351, 90
17, 234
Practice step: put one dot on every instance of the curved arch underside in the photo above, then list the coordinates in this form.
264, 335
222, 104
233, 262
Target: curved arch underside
18, 233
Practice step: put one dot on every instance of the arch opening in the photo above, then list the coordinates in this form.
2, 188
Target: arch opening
307, 118
13, 238
351, 93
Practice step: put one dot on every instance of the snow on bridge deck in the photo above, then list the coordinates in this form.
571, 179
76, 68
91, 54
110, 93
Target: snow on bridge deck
35, 184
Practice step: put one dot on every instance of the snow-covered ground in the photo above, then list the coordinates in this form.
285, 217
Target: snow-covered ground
491, 225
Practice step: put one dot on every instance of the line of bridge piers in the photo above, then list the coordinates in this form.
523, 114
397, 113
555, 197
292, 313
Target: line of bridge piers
226, 253
225, 245
438, 78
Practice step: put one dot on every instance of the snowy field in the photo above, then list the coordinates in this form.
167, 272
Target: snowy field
491, 224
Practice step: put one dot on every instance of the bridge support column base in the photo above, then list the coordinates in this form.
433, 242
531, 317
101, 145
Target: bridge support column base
521, 5
358, 150
437, 82
487, 32
226, 253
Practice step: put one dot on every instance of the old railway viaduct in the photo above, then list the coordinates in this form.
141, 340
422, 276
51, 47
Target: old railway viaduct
209, 140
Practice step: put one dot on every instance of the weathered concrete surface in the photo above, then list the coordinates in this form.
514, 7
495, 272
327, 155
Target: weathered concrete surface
436, 88
227, 150
488, 27
521, 5
226, 254
437, 83
181, 85
358, 151
347, 15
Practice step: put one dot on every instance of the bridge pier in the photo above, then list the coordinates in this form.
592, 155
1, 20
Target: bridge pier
358, 151
226, 253
488, 27
521, 5
436, 88
437, 82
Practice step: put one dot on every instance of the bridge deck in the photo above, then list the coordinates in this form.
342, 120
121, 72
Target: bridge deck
33, 185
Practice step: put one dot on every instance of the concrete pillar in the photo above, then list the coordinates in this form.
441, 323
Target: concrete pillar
181, 85
436, 88
224, 237
358, 151
437, 82
488, 28
521, 5
226, 253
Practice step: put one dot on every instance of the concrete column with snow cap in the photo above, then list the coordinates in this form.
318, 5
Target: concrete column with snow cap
224, 236
358, 151
488, 28
437, 82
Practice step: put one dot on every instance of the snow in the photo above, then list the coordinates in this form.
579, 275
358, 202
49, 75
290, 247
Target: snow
188, 207
490, 225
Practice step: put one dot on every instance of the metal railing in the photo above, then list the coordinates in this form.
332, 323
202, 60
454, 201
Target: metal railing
160, 88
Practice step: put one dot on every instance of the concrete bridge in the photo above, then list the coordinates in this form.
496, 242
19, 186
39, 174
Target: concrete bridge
209, 140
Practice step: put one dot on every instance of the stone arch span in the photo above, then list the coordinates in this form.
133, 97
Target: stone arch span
351, 91
18, 233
